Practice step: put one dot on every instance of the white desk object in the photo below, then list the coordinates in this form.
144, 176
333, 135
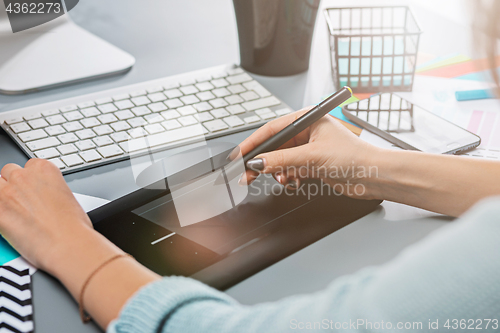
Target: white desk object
55, 53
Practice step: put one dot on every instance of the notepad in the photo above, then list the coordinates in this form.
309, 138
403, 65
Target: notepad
16, 305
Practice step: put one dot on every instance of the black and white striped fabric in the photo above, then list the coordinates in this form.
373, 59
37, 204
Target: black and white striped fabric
16, 308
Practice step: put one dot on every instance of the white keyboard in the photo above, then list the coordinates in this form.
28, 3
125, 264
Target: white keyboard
88, 131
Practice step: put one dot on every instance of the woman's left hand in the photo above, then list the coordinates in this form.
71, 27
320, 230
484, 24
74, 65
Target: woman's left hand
38, 212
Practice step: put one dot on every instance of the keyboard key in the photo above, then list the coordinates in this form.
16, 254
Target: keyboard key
107, 118
90, 112
125, 104
55, 130
170, 114
187, 82
219, 75
204, 78
136, 122
204, 86
141, 110
215, 125
85, 134
72, 160
72, 116
171, 85
38, 123
236, 89
102, 141
32, 135
107, 108
191, 99
154, 118
155, 89
234, 121
266, 116
142, 100
67, 149
72, 126
90, 156
188, 120
187, 110
20, 127
157, 97
282, 112
56, 120
110, 151
50, 112
171, 124
137, 132
234, 99
204, 116
203, 106
164, 138
188, 90
33, 116
68, 137
255, 86
13, 120
43, 144
235, 109
58, 163
154, 128
219, 113
68, 108
234, 71
173, 103
205, 96
85, 105
157, 107
85, 145
221, 92
249, 96
47, 153
218, 103
263, 111
219, 83
240, 78
261, 103
103, 130
138, 93
120, 137
173, 93
104, 100
251, 119
124, 115
121, 126
120, 97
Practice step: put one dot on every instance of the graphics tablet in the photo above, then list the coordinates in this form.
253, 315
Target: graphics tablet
268, 225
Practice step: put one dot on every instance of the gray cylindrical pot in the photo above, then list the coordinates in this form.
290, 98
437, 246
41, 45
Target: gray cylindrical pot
275, 35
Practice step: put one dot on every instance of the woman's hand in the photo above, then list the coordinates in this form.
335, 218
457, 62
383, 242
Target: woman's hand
38, 212
326, 150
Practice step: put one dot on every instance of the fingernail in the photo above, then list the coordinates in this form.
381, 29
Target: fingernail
243, 180
278, 178
292, 184
256, 164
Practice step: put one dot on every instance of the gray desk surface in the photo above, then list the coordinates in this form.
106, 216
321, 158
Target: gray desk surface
180, 36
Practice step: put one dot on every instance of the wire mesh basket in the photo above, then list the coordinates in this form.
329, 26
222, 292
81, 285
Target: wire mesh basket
373, 49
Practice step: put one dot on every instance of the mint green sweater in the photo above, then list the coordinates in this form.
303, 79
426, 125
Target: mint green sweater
448, 280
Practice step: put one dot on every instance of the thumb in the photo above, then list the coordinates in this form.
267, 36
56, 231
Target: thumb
287, 161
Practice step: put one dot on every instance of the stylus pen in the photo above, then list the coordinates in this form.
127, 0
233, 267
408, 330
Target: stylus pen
300, 124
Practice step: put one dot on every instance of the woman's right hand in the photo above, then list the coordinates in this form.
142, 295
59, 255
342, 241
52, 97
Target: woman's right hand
326, 150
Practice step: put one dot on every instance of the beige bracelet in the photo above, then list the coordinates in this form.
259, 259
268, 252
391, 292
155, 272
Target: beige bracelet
86, 318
